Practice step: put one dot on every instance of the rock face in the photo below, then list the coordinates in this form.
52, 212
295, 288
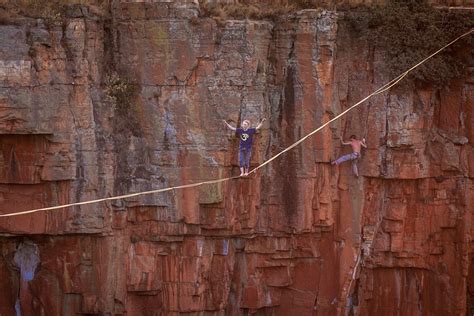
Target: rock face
300, 236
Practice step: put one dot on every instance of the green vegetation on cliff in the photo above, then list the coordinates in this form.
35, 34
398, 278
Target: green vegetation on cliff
406, 31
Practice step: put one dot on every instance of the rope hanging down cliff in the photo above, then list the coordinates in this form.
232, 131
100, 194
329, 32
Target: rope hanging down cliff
382, 89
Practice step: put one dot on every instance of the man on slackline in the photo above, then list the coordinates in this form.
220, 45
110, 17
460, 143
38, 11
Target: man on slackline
245, 148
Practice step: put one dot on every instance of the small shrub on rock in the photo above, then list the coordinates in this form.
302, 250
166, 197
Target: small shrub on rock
406, 31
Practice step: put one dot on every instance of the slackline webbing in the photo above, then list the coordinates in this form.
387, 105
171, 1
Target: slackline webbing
382, 89
379, 222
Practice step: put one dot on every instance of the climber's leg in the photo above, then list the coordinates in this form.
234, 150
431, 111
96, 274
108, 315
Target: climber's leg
247, 160
355, 171
242, 161
342, 159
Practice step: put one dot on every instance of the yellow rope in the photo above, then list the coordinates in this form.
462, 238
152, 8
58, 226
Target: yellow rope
378, 91
395, 81
382, 89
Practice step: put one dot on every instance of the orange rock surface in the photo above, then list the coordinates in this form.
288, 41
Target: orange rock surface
299, 237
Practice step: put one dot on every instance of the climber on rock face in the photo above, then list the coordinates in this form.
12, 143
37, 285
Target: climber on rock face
354, 156
245, 148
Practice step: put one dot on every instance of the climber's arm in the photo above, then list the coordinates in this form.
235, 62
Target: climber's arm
229, 126
343, 142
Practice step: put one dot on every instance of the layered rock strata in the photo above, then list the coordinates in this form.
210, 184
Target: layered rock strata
300, 236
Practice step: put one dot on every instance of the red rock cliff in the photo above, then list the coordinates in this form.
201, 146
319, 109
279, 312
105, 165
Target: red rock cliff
300, 237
